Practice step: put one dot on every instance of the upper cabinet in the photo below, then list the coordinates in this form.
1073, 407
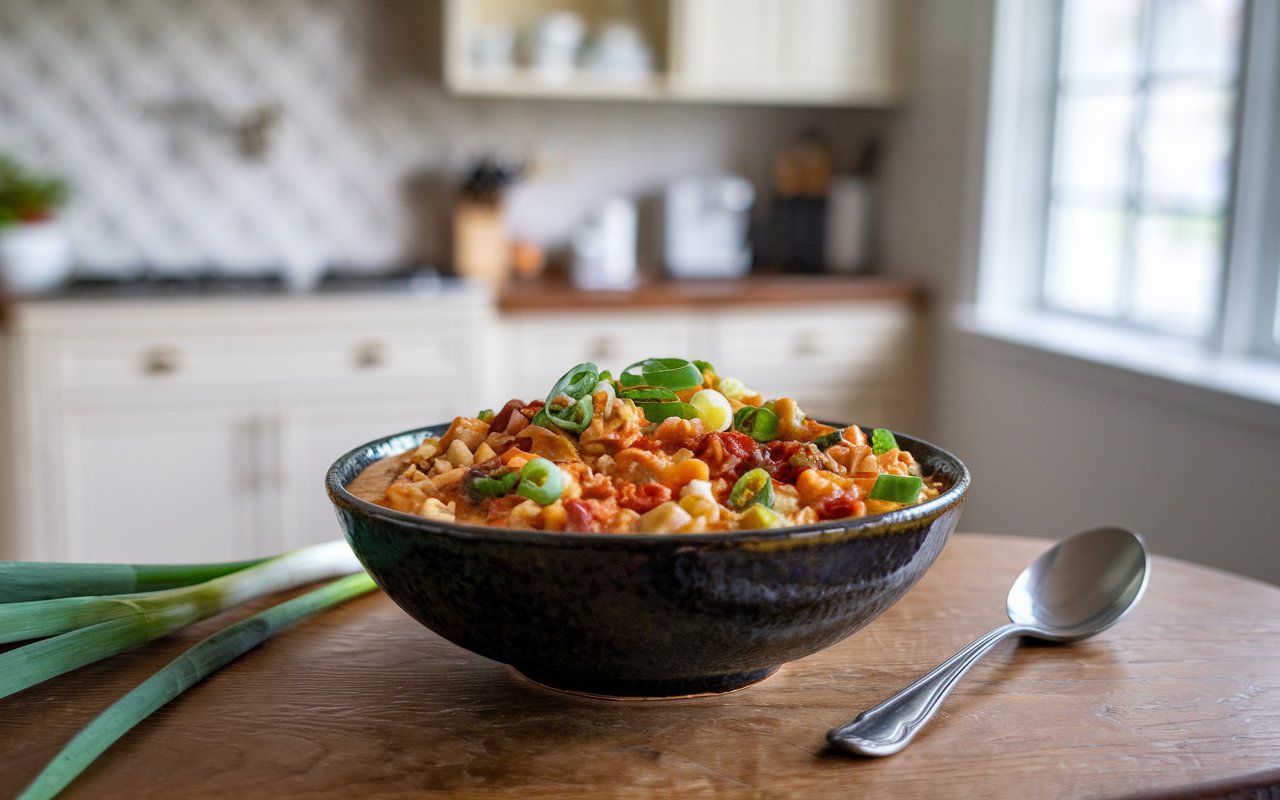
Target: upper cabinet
793, 52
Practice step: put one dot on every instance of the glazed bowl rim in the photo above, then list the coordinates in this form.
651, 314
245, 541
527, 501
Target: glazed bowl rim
342, 498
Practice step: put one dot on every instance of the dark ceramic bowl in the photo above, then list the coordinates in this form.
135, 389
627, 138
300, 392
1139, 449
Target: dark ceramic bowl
644, 615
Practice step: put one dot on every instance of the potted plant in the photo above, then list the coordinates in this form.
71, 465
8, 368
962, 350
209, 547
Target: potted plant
35, 255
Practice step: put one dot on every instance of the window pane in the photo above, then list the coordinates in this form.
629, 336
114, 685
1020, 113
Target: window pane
1101, 38
1187, 147
1176, 271
1093, 143
1086, 247
1197, 37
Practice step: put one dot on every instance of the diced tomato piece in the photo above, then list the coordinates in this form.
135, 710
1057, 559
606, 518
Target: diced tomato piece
841, 505
644, 497
728, 454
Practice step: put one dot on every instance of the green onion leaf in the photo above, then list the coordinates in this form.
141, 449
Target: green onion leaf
173, 679
575, 383
759, 423
671, 373
754, 487
92, 628
541, 418
704, 367
575, 417
541, 481
31, 580
828, 440
882, 441
485, 415
897, 488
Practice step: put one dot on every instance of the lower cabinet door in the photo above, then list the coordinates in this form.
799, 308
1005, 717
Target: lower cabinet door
157, 487
312, 439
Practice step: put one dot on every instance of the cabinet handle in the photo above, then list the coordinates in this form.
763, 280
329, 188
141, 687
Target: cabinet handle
162, 360
371, 355
601, 349
807, 344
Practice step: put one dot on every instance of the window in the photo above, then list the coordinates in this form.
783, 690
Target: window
1132, 179
1145, 102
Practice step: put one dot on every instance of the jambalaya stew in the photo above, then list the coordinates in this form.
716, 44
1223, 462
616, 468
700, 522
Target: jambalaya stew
666, 446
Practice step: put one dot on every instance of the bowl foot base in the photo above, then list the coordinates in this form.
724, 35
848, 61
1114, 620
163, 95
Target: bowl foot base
645, 689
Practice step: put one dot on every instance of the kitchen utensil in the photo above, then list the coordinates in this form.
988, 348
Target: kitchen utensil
1083, 585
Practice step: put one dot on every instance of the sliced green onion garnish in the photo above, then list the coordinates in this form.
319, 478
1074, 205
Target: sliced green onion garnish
650, 394
605, 385
757, 422
657, 412
485, 415
541, 418
575, 383
672, 373
754, 487
828, 440
495, 486
575, 417
897, 488
181, 674
882, 441
541, 481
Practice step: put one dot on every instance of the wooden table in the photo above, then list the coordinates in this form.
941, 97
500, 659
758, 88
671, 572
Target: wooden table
1181, 699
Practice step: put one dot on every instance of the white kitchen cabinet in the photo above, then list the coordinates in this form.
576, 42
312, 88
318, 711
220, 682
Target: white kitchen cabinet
780, 52
828, 52
842, 360
200, 430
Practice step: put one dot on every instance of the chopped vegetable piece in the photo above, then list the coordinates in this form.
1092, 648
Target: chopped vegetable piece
754, 487
575, 383
713, 409
495, 486
541, 481
605, 385
897, 488
541, 418
704, 367
759, 423
757, 517
671, 373
882, 441
828, 440
733, 388
574, 417
485, 415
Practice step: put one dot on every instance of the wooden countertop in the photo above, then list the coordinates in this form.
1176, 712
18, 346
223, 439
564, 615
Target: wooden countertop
558, 294
1181, 699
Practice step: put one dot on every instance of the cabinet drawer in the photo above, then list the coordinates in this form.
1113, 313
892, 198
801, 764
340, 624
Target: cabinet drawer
281, 358
541, 347
751, 343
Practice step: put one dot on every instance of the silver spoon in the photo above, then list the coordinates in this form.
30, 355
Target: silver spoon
1084, 584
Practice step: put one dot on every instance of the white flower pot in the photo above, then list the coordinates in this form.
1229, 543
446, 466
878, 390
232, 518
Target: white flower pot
35, 257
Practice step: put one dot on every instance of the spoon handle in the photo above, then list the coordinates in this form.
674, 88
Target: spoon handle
887, 728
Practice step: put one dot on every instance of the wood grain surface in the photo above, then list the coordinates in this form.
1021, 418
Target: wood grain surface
558, 294
1181, 699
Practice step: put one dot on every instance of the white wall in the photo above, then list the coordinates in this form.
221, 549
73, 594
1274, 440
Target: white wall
1056, 445
358, 84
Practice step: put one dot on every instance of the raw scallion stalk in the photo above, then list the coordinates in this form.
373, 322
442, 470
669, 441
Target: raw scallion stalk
97, 627
30, 580
182, 673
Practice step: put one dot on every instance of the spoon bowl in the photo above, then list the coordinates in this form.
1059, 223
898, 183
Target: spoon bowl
1080, 587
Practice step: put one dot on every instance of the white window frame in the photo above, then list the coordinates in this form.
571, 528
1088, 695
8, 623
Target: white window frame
1241, 361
